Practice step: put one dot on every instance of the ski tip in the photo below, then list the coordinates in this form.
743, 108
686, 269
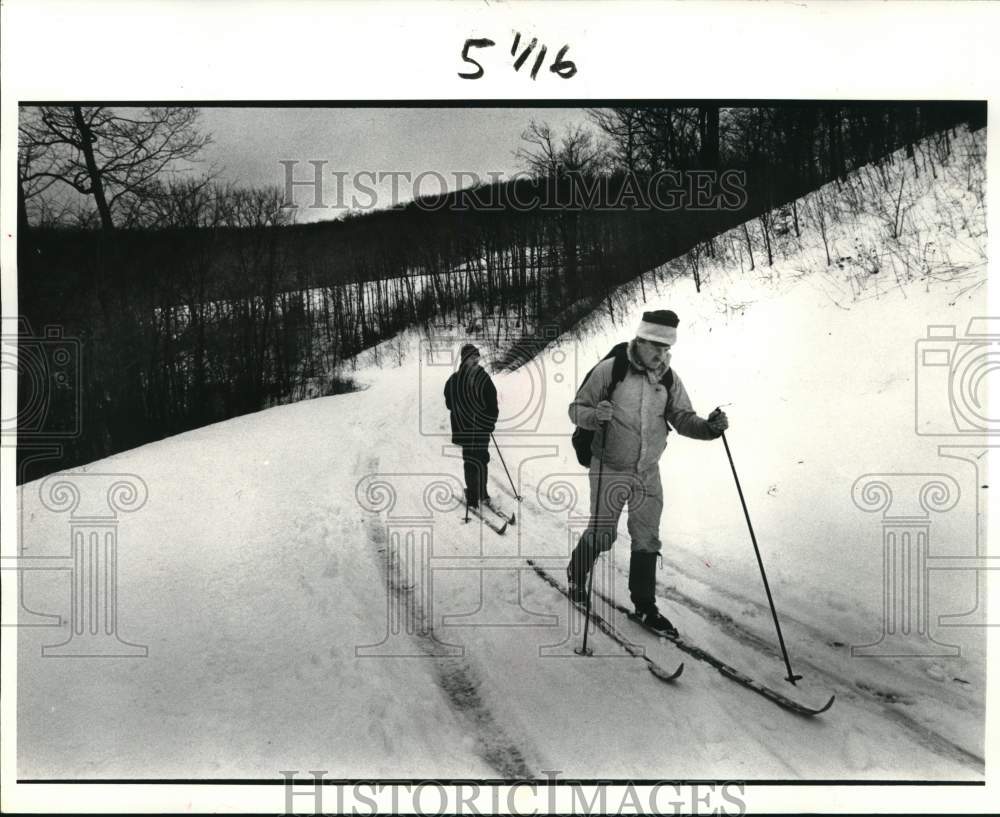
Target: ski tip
513, 519
810, 712
662, 674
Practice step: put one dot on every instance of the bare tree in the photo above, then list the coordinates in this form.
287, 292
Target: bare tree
549, 156
622, 127
185, 203
708, 136
114, 156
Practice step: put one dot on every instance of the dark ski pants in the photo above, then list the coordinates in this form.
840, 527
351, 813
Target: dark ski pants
474, 463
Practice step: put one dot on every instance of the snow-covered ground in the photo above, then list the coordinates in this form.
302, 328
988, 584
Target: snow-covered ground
267, 569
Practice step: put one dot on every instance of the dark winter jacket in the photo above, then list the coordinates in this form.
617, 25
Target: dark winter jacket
471, 398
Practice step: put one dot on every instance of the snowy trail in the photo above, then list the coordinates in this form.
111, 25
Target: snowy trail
456, 677
252, 608
292, 582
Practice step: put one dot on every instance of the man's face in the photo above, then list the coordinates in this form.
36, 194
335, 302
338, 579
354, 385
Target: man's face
470, 361
652, 355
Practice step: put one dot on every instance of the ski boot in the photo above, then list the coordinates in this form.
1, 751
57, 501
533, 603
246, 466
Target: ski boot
642, 586
654, 621
580, 564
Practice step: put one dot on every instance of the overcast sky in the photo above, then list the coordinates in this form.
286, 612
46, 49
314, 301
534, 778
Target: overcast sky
250, 143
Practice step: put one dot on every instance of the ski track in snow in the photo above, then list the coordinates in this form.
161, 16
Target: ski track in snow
882, 701
455, 675
882, 698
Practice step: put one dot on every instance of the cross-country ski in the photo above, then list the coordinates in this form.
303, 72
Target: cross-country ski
606, 627
786, 699
490, 503
485, 514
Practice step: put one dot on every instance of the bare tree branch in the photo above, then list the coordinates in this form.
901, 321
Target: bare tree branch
117, 156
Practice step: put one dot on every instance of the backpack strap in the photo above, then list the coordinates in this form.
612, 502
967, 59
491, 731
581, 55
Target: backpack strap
668, 383
618, 370
620, 367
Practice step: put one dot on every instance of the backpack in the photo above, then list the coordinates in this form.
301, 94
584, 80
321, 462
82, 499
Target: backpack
583, 437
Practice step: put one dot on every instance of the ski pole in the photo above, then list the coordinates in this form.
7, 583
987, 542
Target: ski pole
466, 508
593, 527
586, 623
792, 678
516, 495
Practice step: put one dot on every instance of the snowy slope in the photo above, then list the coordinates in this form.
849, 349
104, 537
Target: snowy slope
265, 554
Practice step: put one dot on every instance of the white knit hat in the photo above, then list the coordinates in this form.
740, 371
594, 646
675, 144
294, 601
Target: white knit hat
659, 326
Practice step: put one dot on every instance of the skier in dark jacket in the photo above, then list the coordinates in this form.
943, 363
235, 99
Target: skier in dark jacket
471, 398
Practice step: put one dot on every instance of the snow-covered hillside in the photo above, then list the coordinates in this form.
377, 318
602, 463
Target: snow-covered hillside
265, 573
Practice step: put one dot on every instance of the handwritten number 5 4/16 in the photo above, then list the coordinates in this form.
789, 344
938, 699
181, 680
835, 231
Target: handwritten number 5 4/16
560, 66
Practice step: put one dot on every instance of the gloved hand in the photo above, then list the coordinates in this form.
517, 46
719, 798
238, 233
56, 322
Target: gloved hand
605, 409
718, 421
